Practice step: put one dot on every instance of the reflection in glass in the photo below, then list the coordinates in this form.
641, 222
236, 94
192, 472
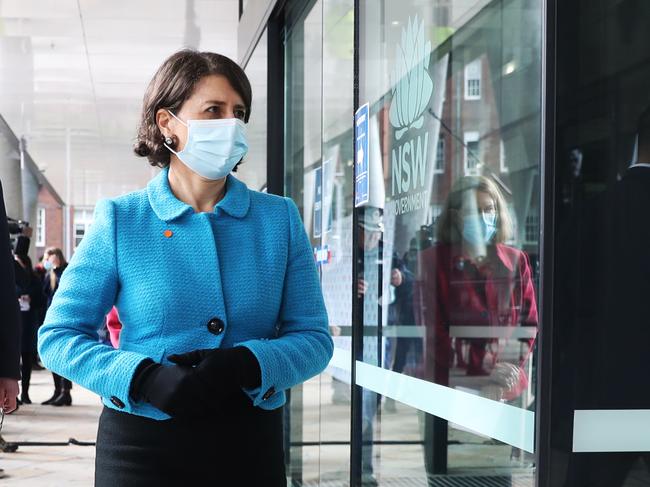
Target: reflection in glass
253, 170
471, 278
318, 176
448, 242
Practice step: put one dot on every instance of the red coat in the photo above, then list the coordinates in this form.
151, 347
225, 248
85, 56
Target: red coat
114, 327
451, 290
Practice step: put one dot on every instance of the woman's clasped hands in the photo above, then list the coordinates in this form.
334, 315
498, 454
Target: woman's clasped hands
200, 383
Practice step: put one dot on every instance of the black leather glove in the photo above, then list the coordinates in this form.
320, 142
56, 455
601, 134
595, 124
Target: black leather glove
223, 371
174, 389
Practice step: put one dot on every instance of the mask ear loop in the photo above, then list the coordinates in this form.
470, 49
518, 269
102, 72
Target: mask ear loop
165, 143
489, 219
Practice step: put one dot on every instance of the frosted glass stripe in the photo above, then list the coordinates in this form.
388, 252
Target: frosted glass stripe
611, 430
514, 332
512, 425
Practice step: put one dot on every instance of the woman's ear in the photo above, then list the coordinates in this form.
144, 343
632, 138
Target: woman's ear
163, 119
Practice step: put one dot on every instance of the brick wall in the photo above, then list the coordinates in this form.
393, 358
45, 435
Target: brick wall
53, 221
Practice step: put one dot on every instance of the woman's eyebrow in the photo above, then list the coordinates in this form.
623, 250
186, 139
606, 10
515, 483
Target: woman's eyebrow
219, 102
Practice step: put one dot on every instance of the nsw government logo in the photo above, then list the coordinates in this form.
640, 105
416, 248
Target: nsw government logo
411, 91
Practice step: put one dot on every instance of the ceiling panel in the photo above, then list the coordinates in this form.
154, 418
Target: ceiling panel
73, 73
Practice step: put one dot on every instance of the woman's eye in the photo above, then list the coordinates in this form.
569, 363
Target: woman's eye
240, 114
213, 109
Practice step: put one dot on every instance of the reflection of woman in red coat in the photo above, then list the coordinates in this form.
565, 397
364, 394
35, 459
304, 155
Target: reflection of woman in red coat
471, 278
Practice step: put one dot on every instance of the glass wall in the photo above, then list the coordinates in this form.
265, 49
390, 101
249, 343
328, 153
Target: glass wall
448, 237
600, 406
253, 170
318, 176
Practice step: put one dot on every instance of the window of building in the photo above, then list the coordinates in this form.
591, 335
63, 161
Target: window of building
82, 221
439, 168
532, 228
471, 151
473, 80
503, 167
40, 228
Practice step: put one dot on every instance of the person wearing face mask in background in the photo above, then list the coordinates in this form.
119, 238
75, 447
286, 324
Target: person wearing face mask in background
217, 292
54, 264
470, 277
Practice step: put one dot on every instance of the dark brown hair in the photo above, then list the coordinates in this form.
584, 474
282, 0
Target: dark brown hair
173, 83
62, 263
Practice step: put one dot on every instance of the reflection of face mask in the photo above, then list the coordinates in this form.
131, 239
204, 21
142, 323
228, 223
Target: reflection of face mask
213, 147
47, 265
479, 230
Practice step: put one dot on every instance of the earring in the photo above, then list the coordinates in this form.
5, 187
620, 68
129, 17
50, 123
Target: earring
169, 140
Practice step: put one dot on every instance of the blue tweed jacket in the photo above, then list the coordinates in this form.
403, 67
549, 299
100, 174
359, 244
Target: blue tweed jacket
241, 275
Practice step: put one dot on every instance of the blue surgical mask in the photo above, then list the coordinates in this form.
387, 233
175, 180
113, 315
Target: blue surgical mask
47, 265
213, 147
478, 229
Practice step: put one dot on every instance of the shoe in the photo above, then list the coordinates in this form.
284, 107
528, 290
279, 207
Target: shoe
18, 402
7, 447
64, 399
24, 397
51, 399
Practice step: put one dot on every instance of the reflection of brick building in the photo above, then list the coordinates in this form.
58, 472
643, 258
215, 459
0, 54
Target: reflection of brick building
470, 137
474, 140
48, 228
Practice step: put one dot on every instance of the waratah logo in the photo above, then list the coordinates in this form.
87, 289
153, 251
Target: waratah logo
410, 80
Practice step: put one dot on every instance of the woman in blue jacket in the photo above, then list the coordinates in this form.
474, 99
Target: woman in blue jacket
216, 289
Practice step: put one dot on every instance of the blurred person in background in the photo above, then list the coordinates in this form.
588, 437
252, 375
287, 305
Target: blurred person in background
31, 299
39, 315
24, 289
9, 324
54, 265
114, 327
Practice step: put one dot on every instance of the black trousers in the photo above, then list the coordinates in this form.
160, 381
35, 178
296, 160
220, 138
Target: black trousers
242, 448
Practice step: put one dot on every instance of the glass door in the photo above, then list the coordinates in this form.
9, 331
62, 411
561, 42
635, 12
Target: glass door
318, 175
303, 102
448, 239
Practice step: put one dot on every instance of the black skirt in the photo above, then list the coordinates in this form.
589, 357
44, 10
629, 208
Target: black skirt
243, 448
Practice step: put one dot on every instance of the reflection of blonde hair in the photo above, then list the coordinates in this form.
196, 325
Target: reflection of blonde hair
446, 228
62, 262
